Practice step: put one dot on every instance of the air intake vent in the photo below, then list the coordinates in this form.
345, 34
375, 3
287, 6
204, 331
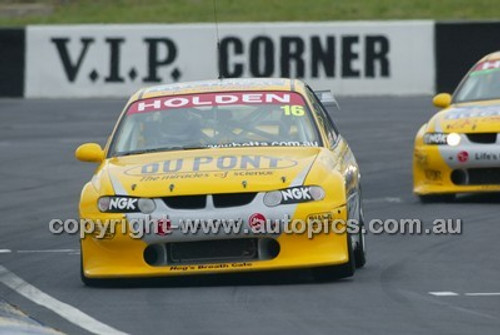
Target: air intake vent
186, 202
233, 199
477, 176
212, 251
483, 138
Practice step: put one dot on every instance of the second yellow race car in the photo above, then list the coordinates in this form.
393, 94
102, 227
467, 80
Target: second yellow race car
458, 150
207, 165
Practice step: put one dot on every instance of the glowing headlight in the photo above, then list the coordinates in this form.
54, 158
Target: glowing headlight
146, 206
273, 199
294, 195
453, 139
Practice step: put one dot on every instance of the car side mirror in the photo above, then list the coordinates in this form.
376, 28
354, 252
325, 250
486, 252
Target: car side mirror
327, 99
442, 100
90, 152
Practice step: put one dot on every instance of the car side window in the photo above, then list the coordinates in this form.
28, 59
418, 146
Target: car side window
324, 119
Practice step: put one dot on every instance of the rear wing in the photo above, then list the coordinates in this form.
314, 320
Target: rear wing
327, 99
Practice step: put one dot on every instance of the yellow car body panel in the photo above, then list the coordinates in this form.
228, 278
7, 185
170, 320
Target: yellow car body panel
195, 172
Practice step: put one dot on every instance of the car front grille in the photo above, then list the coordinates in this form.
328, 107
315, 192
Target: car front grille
224, 200
233, 199
476, 176
212, 251
186, 202
482, 138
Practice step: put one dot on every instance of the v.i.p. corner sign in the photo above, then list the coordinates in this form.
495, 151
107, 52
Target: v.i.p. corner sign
350, 58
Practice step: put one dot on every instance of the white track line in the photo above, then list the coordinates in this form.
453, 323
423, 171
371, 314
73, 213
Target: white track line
483, 294
393, 200
62, 309
47, 251
443, 294
5, 251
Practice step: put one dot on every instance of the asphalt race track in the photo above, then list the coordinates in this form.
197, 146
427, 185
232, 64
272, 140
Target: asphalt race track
41, 180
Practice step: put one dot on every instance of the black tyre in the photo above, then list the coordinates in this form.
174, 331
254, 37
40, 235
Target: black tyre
360, 242
436, 198
360, 250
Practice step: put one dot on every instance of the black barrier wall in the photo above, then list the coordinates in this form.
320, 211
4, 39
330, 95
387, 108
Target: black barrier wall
12, 50
458, 46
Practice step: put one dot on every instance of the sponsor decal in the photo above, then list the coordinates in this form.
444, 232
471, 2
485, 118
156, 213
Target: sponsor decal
433, 175
486, 156
163, 227
320, 217
435, 138
256, 221
421, 158
183, 268
204, 164
121, 205
461, 124
488, 65
472, 112
266, 144
463, 156
215, 99
296, 195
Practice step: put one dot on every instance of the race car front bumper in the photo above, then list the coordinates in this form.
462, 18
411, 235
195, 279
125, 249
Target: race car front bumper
153, 255
467, 168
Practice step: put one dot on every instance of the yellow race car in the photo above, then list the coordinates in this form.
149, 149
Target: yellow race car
458, 150
222, 176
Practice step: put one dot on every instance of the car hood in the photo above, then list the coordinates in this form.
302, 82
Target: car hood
209, 171
479, 117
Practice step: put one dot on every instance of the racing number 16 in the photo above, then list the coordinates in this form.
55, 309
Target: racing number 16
295, 110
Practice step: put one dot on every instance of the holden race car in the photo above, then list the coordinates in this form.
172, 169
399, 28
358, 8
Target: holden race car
458, 150
192, 174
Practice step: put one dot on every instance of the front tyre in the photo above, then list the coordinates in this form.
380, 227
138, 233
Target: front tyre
436, 198
360, 250
359, 242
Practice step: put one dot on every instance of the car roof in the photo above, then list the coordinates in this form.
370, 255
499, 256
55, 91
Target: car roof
491, 57
220, 85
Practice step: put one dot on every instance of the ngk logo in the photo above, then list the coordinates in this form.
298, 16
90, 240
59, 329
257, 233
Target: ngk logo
298, 193
122, 204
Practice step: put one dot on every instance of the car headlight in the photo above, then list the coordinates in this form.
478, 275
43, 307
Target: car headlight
122, 204
273, 199
294, 195
452, 139
146, 205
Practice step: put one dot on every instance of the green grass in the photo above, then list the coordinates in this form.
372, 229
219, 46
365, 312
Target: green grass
174, 11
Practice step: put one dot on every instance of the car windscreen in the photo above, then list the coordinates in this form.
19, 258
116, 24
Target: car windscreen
215, 120
482, 83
